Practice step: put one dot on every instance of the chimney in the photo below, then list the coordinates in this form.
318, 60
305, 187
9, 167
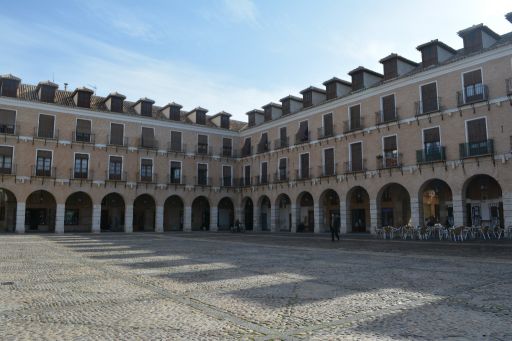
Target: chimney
115, 102
434, 52
363, 78
336, 87
272, 111
255, 117
221, 119
82, 97
9, 85
172, 111
144, 107
198, 115
290, 104
395, 66
46, 91
508, 16
312, 96
478, 37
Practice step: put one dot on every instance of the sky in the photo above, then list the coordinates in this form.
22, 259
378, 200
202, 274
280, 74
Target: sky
232, 55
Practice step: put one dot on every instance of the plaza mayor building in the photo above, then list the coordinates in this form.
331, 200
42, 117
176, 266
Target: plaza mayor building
425, 140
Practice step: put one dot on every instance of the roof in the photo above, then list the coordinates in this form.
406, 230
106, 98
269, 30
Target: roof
363, 69
337, 80
272, 104
11, 76
115, 94
198, 109
397, 56
314, 89
255, 111
172, 104
509, 16
438, 43
481, 27
295, 98
222, 113
82, 89
47, 83
144, 99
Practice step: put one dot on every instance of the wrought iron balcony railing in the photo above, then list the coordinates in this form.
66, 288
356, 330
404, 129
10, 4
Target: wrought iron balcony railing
430, 155
472, 94
473, 149
428, 106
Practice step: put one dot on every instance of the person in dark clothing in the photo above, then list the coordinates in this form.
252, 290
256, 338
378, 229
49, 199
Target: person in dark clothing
335, 227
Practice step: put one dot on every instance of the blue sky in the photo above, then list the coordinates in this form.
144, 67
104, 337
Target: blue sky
232, 55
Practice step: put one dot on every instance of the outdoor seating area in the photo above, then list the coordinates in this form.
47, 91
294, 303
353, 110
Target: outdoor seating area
440, 232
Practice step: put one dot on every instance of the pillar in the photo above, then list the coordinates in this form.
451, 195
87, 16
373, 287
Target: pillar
374, 222
294, 213
316, 218
343, 217
507, 209
159, 219
415, 212
187, 219
96, 218
239, 213
273, 219
214, 218
20, 217
59, 218
256, 219
128, 219
458, 210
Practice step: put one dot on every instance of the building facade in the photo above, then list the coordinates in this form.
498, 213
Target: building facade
426, 141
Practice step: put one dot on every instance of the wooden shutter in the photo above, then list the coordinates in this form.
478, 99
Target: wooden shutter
146, 109
46, 126
282, 164
83, 126
357, 81
116, 134
202, 140
267, 113
282, 134
428, 92
356, 156
473, 77
226, 143
390, 143
477, 130
6, 151
429, 55
264, 170
176, 140
328, 124
148, 136
303, 129
116, 159
174, 113
224, 122
355, 116
390, 69
329, 161
388, 106
431, 135
264, 139
226, 172
146, 162
46, 154
116, 104
304, 164
331, 90
200, 117
7, 117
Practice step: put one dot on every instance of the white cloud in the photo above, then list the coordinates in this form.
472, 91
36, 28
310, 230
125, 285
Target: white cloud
241, 11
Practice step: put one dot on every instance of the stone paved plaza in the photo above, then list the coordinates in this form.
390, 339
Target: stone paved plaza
225, 286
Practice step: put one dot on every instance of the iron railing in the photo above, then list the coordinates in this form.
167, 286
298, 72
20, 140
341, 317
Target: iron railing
354, 167
472, 94
326, 132
383, 117
283, 142
384, 162
353, 125
302, 137
472, 149
428, 155
428, 106
81, 137
182, 148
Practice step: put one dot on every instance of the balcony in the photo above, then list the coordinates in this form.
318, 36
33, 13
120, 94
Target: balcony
46, 134
326, 170
303, 174
8, 129
387, 162
353, 125
117, 142
281, 176
472, 94
430, 155
202, 181
8, 170
76, 174
116, 176
428, 106
227, 152
355, 166
326, 132
302, 137
226, 181
475, 149
43, 172
204, 149
81, 137
246, 151
175, 180
383, 117
261, 180
147, 178
283, 142
147, 143
245, 182
174, 148
263, 148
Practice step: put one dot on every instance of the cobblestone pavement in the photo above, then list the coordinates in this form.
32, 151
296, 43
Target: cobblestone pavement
250, 286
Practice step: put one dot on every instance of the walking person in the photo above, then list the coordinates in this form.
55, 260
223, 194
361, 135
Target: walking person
335, 227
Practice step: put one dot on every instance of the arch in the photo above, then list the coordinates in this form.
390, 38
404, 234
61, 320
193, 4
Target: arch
200, 214
248, 209
173, 213
435, 198
144, 209
482, 201
112, 213
40, 213
8, 205
329, 208
358, 215
264, 205
78, 213
393, 205
283, 207
225, 214
305, 212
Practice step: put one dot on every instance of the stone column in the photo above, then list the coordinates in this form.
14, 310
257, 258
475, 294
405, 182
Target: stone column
415, 212
458, 210
373, 215
59, 218
128, 219
187, 219
256, 219
20, 217
294, 213
96, 218
316, 218
239, 214
159, 219
273, 219
214, 218
507, 209
343, 217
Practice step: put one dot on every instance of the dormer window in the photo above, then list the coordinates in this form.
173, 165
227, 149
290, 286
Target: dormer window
146, 109
478, 37
175, 112
224, 122
201, 117
82, 97
9, 85
46, 91
308, 99
114, 102
252, 120
267, 112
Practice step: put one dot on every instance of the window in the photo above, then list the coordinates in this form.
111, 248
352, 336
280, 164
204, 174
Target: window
252, 120
473, 41
432, 145
304, 166
226, 176
81, 166
307, 98
115, 168
263, 145
429, 102
201, 117
286, 106
83, 131
202, 144
474, 90
6, 159
147, 139
7, 121
146, 170
174, 113
247, 175
429, 55
9, 87
388, 108
175, 177
328, 126
46, 126
83, 99
357, 81
356, 157
267, 113
246, 149
390, 69
116, 134
227, 147
390, 152
355, 117
303, 133
202, 174
116, 104
44, 163
224, 121
329, 166
71, 216
176, 141
264, 173
283, 173
477, 141
146, 108
331, 90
